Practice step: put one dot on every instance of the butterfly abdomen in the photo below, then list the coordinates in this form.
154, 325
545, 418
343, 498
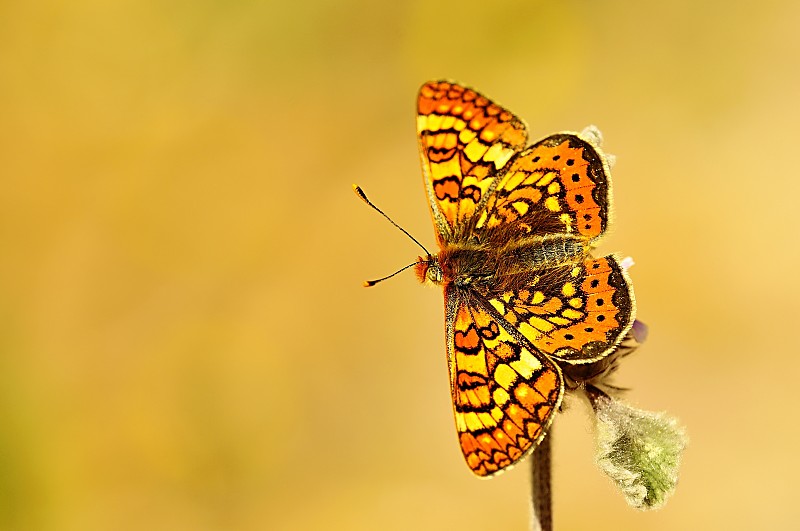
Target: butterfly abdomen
477, 266
550, 252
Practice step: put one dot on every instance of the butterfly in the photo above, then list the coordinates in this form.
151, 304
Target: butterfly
529, 310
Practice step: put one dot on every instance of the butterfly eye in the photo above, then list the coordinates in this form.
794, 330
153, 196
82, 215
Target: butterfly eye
434, 273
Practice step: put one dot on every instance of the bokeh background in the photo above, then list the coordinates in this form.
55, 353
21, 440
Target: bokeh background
184, 341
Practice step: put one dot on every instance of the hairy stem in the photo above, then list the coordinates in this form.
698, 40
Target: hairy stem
541, 493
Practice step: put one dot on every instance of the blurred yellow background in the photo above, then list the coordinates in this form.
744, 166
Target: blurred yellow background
185, 342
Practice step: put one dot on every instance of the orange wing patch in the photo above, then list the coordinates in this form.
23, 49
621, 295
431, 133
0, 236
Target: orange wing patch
464, 140
504, 394
576, 314
557, 186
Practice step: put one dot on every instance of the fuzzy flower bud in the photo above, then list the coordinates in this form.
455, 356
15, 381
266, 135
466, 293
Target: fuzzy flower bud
639, 450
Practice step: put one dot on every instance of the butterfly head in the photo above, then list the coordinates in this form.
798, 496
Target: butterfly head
428, 270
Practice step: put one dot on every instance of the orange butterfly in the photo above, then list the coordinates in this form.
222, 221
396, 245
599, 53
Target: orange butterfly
528, 310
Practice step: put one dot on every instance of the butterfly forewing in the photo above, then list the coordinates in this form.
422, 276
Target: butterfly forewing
557, 186
464, 140
504, 392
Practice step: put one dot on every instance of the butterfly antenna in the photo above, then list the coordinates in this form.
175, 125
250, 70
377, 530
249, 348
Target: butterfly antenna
370, 283
363, 197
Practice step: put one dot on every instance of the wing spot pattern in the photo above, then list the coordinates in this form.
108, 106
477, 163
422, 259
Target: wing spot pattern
581, 316
570, 183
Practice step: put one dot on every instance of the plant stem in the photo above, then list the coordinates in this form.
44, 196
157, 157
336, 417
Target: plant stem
541, 493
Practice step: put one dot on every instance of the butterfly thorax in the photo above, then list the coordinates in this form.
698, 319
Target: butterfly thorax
490, 268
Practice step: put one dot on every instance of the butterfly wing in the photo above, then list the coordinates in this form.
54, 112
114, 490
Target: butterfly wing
504, 392
560, 185
559, 188
576, 313
464, 139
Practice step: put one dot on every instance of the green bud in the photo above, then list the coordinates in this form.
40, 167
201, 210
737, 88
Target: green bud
639, 450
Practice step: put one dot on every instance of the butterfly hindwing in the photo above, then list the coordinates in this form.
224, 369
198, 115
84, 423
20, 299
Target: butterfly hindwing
465, 139
560, 185
504, 393
576, 313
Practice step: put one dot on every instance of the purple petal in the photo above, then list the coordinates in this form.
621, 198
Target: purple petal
639, 330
